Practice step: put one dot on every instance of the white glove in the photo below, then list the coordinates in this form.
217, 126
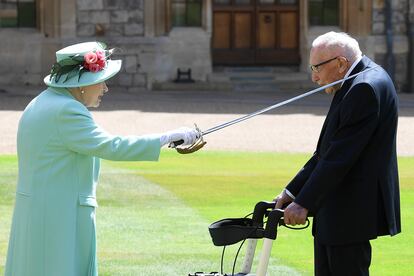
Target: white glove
188, 135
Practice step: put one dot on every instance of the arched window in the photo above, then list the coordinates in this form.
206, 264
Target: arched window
18, 13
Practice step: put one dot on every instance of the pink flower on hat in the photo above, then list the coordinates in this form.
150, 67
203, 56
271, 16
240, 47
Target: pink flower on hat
94, 67
100, 55
101, 63
90, 58
94, 61
77, 64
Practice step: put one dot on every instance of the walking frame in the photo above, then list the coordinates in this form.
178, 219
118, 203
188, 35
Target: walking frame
233, 230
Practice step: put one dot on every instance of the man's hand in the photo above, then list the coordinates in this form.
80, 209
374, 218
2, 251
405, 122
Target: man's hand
282, 199
295, 214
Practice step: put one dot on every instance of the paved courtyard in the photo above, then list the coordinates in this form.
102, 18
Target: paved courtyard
292, 128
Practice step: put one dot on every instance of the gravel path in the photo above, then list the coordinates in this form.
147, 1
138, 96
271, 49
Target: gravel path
292, 128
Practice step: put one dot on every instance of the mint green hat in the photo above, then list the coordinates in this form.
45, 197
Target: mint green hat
82, 64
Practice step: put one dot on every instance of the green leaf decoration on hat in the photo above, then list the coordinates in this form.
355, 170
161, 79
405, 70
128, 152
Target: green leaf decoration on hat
72, 73
74, 65
81, 71
103, 45
65, 69
78, 58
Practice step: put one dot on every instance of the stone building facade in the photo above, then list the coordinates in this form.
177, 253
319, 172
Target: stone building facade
153, 46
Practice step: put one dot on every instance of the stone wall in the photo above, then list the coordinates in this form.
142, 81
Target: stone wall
184, 48
110, 18
25, 57
120, 24
400, 40
27, 54
146, 59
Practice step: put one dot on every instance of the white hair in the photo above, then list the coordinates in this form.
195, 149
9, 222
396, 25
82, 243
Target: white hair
339, 42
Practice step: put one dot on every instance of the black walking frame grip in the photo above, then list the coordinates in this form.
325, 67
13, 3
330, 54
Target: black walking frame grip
233, 230
274, 218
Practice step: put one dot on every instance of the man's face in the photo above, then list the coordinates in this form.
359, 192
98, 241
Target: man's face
326, 68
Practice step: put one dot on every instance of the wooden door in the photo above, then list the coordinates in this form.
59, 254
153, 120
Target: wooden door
356, 16
233, 31
255, 32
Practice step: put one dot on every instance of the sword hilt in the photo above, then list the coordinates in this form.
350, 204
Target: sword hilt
176, 143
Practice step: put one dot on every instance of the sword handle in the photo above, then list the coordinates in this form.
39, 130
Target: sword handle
175, 143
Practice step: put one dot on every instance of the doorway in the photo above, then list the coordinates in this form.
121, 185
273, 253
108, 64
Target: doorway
255, 32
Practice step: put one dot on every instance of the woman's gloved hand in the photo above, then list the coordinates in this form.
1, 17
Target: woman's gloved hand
186, 134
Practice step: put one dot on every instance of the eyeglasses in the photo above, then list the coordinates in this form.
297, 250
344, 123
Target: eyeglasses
315, 68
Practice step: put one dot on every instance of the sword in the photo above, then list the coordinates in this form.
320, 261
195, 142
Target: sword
261, 111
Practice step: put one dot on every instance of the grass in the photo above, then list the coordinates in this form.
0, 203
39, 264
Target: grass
153, 217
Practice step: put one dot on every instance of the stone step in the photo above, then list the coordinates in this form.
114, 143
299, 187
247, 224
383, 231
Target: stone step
195, 86
259, 69
252, 78
248, 79
259, 76
298, 86
255, 87
274, 86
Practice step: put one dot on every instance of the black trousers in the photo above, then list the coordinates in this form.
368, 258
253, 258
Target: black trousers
342, 260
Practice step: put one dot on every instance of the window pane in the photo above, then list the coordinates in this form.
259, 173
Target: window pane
26, 14
323, 12
8, 14
267, 1
288, 2
315, 12
222, 2
178, 13
331, 13
242, 2
17, 13
194, 13
186, 13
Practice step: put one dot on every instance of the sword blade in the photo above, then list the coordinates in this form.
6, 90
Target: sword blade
261, 111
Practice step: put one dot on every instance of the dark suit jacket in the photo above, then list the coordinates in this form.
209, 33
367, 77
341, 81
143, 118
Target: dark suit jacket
351, 182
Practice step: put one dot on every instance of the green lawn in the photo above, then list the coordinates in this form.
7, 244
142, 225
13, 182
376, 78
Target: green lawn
153, 217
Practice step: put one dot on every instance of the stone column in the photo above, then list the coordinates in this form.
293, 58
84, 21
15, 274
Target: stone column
67, 19
149, 23
209, 16
304, 44
410, 33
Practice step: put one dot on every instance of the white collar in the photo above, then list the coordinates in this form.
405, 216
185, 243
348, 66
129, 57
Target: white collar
351, 68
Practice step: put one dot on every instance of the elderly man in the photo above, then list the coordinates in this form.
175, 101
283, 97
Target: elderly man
350, 184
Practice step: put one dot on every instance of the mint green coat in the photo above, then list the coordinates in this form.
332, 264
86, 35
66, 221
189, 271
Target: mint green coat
59, 145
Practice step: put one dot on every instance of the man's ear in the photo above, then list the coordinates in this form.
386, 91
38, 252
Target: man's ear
343, 64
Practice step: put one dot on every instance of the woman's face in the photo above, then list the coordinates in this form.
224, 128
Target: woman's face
91, 95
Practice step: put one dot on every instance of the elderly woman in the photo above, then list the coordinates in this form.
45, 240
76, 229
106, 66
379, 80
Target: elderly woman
59, 147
